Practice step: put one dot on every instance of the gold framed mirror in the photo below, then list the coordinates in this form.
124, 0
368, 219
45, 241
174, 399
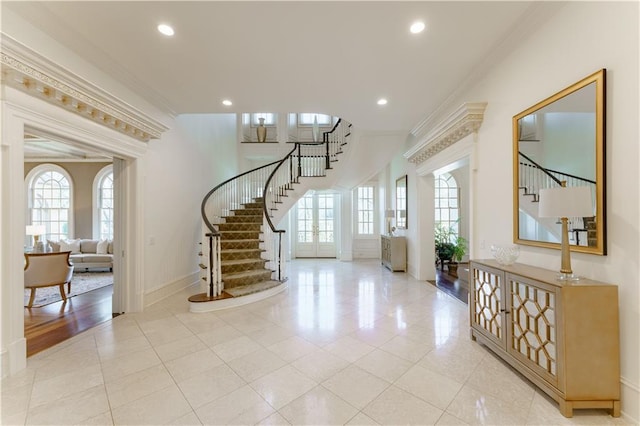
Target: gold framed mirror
401, 202
561, 139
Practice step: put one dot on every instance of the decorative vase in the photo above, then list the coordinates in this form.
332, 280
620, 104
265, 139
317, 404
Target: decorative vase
315, 132
261, 130
505, 254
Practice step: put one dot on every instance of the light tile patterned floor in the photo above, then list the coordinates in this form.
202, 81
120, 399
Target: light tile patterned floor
347, 343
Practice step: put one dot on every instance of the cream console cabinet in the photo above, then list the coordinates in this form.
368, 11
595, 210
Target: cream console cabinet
394, 252
563, 336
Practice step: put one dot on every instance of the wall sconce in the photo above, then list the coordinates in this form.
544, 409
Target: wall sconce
565, 202
389, 214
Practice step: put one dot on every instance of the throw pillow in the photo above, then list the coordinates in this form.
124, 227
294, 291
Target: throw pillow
110, 249
103, 246
55, 245
70, 245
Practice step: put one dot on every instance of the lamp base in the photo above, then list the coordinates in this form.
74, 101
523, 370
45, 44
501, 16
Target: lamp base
563, 276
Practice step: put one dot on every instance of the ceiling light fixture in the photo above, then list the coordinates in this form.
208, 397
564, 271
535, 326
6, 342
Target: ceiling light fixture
382, 101
166, 30
417, 27
227, 102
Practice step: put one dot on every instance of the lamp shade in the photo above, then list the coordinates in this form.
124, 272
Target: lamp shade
571, 201
389, 213
35, 229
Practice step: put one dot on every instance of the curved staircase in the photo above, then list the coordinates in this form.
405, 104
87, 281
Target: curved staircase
242, 245
532, 178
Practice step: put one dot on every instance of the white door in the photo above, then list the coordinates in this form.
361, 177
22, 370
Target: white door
315, 225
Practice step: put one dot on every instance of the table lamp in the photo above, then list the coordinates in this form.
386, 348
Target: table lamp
389, 214
565, 202
36, 231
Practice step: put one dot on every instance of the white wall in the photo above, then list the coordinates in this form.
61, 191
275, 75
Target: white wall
198, 153
171, 177
580, 39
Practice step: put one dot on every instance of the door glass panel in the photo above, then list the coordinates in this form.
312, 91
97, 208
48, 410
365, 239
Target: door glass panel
305, 219
325, 218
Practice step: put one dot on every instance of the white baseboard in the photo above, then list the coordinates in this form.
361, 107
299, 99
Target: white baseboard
13, 358
630, 398
154, 296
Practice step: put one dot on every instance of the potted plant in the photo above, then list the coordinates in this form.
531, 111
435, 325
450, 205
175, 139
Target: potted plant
459, 250
443, 245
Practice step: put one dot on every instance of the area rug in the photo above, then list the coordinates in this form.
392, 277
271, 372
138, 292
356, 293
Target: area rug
82, 282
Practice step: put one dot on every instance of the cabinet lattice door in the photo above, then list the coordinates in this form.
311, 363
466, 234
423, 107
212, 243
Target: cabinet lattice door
487, 300
532, 325
563, 336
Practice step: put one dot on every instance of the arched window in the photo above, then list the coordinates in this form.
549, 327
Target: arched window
447, 203
103, 203
49, 200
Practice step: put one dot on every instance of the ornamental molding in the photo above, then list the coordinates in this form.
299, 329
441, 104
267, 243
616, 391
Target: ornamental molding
462, 122
32, 73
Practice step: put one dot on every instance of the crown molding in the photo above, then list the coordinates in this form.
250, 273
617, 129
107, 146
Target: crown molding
32, 73
462, 122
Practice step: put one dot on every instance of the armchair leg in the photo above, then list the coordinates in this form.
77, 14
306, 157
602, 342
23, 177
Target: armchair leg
32, 297
64, 296
69, 287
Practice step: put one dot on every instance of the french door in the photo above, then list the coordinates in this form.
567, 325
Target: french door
315, 225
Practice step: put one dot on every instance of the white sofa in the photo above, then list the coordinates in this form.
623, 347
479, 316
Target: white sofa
87, 254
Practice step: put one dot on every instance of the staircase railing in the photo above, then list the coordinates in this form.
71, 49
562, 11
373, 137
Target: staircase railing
219, 203
271, 183
533, 177
306, 159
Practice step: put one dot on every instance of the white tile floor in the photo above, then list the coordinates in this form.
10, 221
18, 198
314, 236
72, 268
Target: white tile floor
347, 343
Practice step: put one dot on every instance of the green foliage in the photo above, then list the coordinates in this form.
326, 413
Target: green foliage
449, 246
460, 248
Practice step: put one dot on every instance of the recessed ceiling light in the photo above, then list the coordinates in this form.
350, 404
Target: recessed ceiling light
166, 30
417, 27
382, 101
227, 102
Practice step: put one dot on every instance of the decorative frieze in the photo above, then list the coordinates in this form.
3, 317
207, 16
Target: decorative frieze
464, 121
36, 75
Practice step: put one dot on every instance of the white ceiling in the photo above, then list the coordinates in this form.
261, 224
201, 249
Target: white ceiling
327, 57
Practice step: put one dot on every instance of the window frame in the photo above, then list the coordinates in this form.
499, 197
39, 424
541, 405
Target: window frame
270, 119
96, 201
447, 178
374, 212
302, 123
30, 179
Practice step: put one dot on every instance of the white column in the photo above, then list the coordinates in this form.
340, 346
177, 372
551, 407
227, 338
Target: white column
12, 228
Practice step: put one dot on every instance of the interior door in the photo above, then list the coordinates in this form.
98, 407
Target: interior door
315, 225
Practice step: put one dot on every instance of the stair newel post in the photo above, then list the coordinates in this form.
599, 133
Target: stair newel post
219, 262
211, 264
279, 256
299, 160
325, 140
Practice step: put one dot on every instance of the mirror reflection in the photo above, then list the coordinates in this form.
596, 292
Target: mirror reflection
560, 141
401, 202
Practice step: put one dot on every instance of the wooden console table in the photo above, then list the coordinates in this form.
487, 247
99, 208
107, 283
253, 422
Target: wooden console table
394, 252
563, 336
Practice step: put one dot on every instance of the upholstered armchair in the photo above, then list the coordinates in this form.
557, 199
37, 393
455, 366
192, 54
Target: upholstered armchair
47, 270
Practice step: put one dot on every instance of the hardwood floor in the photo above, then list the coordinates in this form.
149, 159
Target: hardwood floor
456, 286
53, 323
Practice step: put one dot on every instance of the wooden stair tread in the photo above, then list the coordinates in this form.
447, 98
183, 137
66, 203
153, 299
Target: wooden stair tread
241, 250
252, 288
242, 261
244, 274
